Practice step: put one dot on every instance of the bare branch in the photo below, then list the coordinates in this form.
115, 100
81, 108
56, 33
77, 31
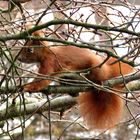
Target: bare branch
34, 106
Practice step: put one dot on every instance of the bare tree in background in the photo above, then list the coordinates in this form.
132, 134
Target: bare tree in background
107, 27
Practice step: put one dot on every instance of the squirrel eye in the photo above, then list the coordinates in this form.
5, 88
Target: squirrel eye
30, 50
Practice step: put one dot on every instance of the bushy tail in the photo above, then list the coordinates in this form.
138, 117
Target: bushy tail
100, 110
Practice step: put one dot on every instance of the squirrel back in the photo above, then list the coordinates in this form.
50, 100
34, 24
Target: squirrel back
100, 109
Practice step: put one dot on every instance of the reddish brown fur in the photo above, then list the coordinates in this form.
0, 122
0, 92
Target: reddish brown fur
99, 109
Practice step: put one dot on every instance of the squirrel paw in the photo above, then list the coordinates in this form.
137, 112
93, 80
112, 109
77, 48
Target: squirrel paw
30, 88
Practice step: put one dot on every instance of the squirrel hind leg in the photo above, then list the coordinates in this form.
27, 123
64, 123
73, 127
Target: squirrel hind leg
100, 110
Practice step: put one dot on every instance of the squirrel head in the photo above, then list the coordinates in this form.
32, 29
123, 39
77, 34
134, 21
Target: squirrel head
33, 49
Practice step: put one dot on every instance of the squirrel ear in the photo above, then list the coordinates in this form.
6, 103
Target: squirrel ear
39, 33
29, 25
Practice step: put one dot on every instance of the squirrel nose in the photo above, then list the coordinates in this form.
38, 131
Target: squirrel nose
20, 58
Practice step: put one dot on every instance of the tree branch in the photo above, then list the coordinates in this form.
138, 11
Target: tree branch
76, 89
24, 34
35, 106
121, 80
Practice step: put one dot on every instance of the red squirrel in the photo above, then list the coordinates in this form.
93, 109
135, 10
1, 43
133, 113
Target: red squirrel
100, 109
